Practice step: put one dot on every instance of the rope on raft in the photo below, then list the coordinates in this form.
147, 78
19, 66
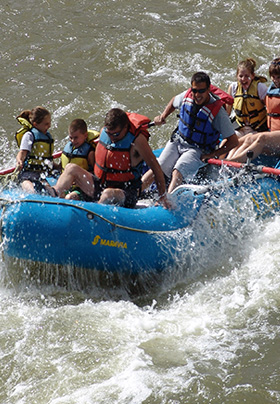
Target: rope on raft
5, 201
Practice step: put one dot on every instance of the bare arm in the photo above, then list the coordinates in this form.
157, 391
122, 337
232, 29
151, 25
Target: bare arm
20, 159
227, 144
161, 119
229, 107
91, 158
142, 147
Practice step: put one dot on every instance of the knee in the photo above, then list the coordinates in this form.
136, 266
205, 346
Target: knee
72, 195
73, 171
112, 196
261, 138
70, 168
248, 139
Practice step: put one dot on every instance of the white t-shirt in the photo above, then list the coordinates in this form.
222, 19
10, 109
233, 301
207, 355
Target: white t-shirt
27, 141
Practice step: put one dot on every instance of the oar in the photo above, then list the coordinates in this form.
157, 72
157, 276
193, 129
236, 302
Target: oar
11, 169
235, 164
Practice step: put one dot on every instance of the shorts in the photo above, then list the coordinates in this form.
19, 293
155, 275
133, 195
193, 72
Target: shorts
245, 130
131, 191
36, 178
180, 155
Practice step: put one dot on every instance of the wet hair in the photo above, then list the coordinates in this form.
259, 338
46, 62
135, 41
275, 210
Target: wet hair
201, 77
36, 114
115, 118
274, 68
78, 124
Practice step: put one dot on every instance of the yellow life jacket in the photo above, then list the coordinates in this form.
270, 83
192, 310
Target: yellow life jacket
79, 155
26, 126
248, 107
40, 157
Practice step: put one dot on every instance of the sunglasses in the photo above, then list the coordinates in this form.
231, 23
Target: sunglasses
116, 134
200, 91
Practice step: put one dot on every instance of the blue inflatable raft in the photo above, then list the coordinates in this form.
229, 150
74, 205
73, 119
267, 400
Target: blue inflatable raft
110, 238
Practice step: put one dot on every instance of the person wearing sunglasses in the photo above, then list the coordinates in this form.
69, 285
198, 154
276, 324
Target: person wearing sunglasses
202, 122
119, 156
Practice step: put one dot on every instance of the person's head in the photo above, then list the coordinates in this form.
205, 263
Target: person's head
39, 117
200, 87
246, 72
78, 132
116, 123
274, 72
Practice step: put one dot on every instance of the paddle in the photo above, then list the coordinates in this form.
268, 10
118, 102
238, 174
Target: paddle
235, 164
11, 169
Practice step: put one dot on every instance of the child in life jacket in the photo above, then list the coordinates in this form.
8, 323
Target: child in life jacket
272, 99
34, 159
249, 99
79, 150
267, 142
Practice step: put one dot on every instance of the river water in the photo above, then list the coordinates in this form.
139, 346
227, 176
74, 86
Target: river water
205, 332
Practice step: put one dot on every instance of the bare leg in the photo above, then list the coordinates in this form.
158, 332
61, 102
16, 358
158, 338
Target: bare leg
73, 195
233, 151
74, 174
244, 143
112, 196
28, 187
147, 179
264, 142
176, 180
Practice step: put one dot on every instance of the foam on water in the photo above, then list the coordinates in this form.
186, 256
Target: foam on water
119, 352
205, 332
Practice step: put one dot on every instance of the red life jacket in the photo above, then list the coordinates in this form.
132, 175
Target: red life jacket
112, 160
225, 97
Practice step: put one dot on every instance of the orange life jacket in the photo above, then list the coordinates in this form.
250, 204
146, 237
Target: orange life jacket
272, 101
112, 159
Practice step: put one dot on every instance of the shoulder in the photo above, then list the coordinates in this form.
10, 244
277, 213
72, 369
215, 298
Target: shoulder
27, 141
28, 137
262, 90
233, 88
223, 114
141, 140
141, 145
213, 99
68, 145
216, 104
178, 99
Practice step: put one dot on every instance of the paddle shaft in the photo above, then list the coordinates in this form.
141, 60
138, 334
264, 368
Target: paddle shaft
262, 169
11, 169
